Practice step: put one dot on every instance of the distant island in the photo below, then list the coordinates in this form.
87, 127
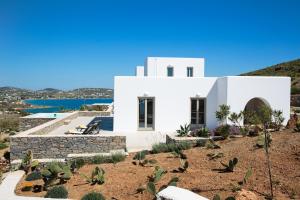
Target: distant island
12, 98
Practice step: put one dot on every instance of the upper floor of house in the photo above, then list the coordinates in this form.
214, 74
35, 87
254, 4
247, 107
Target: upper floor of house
171, 67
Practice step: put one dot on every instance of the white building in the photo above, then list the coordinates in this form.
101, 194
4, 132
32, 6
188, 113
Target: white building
168, 92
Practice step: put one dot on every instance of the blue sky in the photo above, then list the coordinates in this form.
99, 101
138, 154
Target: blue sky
70, 44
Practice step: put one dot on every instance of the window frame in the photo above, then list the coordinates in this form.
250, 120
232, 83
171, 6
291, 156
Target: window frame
190, 71
172, 68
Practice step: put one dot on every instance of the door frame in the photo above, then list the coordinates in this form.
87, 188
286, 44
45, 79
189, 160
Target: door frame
138, 116
195, 126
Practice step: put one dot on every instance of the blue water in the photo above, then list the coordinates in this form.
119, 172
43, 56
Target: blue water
57, 104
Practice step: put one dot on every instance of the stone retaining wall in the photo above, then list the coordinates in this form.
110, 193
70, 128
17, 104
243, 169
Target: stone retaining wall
60, 146
193, 141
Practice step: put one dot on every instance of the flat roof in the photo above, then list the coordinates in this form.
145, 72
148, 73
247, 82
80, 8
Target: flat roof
47, 115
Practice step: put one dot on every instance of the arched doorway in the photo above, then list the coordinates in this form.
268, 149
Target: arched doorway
253, 109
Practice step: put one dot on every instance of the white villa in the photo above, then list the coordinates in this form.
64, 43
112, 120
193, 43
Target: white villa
168, 92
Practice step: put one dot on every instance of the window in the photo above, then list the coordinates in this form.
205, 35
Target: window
197, 111
170, 71
146, 113
190, 72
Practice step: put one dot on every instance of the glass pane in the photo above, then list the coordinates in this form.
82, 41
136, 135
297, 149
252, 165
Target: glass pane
170, 71
201, 105
201, 118
141, 113
194, 105
149, 113
193, 121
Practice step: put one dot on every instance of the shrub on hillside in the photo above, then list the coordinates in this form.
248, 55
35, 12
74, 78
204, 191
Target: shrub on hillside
93, 196
222, 130
58, 192
114, 158
162, 147
202, 132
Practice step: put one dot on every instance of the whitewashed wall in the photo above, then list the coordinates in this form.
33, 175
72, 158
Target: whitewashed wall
172, 98
157, 66
172, 101
274, 90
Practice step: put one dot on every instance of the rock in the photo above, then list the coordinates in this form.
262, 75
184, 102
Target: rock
246, 195
292, 122
176, 193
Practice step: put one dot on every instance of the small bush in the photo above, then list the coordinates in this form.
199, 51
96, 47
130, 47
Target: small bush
93, 196
140, 155
33, 176
202, 132
3, 146
77, 164
58, 192
117, 157
222, 130
235, 130
162, 147
114, 158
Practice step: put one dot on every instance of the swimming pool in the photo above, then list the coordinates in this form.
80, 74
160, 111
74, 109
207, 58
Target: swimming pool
48, 115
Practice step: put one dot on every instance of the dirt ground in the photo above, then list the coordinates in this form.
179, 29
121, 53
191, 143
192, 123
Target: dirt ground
122, 179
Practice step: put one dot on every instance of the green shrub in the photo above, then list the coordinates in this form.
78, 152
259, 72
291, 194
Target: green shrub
140, 155
222, 130
117, 157
77, 164
3, 146
184, 130
202, 132
93, 196
33, 176
58, 192
162, 147
97, 176
114, 158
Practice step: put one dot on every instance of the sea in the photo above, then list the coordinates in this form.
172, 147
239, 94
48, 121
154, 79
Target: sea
56, 105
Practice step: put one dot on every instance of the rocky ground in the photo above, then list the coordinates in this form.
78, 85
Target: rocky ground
123, 179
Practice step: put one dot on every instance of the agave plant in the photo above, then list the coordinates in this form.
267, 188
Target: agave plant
230, 166
97, 176
184, 130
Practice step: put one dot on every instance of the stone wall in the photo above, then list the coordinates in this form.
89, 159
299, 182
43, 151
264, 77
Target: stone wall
193, 141
295, 100
28, 123
60, 146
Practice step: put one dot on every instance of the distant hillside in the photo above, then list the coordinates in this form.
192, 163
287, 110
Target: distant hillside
291, 69
13, 93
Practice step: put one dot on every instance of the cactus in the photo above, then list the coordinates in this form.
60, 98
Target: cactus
213, 156
158, 173
141, 157
54, 171
231, 164
26, 161
260, 143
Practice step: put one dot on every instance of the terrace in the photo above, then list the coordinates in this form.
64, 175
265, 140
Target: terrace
50, 141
